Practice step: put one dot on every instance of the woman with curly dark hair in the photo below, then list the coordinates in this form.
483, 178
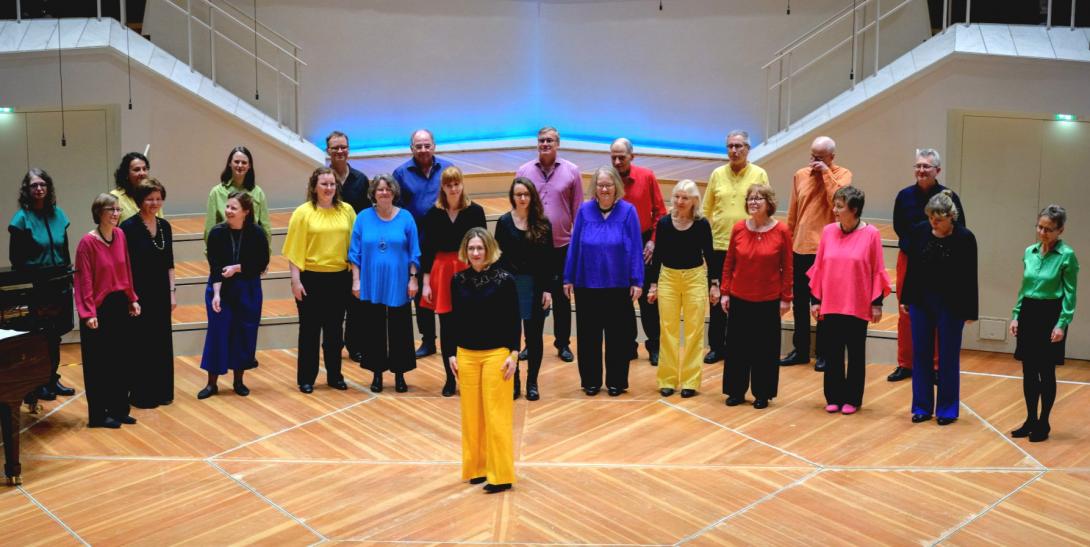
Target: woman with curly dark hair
134, 167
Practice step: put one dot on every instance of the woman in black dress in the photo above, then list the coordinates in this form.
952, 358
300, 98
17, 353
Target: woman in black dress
152, 257
525, 237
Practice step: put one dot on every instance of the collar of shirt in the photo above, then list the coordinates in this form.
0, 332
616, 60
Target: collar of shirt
415, 167
548, 174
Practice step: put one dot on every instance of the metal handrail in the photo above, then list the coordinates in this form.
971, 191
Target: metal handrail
817, 28
248, 26
262, 25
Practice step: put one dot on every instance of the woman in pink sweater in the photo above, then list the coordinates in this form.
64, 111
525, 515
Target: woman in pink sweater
105, 300
847, 284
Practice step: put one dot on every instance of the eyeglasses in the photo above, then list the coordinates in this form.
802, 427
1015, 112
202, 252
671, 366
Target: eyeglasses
338, 148
755, 200
113, 209
737, 146
546, 140
923, 166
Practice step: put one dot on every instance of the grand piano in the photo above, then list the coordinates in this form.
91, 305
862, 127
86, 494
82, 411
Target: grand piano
24, 357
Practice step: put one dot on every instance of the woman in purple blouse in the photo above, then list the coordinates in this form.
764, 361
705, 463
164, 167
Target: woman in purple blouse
605, 270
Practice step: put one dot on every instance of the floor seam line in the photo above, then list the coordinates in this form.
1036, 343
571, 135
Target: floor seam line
268, 501
946, 535
1041, 466
51, 515
1013, 377
51, 412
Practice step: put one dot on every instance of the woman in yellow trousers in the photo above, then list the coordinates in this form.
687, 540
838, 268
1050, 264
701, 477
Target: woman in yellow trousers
683, 290
487, 332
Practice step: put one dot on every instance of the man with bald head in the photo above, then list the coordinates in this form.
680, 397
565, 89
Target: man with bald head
641, 189
811, 209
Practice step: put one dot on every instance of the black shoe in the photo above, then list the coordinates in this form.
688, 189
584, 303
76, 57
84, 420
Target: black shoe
1025, 431
1040, 433
898, 374
127, 420
735, 401
686, 393
306, 388
494, 488
241, 389
425, 350
591, 391
61, 389
166, 402
208, 391
143, 405
654, 357
917, 418
935, 377
820, 365
356, 356
666, 391
477, 480
518, 384
524, 355
531, 392
760, 404
635, 353
946, 421
339, 384
448, 388
794, 358
614, 391
565, 354
376, 384
106, 422
712, 357
399, 383
44, 393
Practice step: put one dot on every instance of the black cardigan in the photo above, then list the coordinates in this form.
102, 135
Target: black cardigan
520, 256
253, 251
485, 309
944, 266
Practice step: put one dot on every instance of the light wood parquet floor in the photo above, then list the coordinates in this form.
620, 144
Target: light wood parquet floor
280, 467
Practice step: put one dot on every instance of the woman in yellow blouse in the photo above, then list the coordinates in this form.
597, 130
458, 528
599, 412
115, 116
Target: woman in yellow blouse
316, 247
134, 168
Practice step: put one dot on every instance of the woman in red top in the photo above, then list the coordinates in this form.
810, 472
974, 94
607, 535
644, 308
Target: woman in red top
756, 291
105, 300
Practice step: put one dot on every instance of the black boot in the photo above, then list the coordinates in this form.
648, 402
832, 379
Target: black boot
518, 383
399, 383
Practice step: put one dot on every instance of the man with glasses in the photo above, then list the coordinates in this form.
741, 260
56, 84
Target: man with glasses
724, 206
419, 181
908, 211
641, 189
561, 188
353, 192
810, 211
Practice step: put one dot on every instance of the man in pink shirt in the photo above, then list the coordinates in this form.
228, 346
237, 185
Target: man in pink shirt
560, 185
641, 189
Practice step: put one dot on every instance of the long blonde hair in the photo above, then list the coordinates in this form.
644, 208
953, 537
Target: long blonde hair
687, 186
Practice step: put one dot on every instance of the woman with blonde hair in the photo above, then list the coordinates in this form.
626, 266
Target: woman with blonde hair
485, 327
441, 232
682, 287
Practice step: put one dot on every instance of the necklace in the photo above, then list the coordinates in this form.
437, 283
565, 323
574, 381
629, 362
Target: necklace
157, 240
236, 246
108, 242
858, 223
606, 211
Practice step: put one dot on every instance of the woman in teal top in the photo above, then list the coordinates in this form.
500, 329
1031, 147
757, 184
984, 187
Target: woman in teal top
39, 239
237, 176
1046, 304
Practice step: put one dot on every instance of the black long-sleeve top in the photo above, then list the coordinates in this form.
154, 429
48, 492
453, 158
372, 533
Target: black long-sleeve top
246, 247
946, 266
520, 256
486, 309
354, 189
439, 234
682, 249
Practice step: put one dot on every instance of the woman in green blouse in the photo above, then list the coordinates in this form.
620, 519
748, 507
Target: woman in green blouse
237, 176
1046, 304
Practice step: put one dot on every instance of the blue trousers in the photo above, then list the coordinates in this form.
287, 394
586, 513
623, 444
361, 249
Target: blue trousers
929, 319
231, 340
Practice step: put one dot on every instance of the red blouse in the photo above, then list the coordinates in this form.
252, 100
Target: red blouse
758, 264
100, 270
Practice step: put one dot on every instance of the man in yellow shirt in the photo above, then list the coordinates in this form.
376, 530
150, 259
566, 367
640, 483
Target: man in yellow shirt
724, 206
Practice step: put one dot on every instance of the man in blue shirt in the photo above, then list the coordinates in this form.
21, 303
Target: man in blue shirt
419, 181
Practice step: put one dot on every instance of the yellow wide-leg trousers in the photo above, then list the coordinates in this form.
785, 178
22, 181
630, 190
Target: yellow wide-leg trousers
487, 416
682, 296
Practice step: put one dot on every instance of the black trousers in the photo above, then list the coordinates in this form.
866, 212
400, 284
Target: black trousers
447, 345
321, 323
801, 309
386, 338
561, 304
425, 318
845, 332
609, 311
753, 349
649, 313
351, 318
535, 345
717, 320
106, 361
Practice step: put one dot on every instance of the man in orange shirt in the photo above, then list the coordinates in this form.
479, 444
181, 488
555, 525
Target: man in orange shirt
810, 210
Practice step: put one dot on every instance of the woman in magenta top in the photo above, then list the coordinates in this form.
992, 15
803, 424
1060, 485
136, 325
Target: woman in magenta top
847, 284
756, 289
105, 300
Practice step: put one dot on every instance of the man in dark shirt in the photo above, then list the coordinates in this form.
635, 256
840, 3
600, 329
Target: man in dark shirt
354, 192
908, 211
419, 181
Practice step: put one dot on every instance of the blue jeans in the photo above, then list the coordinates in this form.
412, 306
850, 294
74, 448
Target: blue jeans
929, 319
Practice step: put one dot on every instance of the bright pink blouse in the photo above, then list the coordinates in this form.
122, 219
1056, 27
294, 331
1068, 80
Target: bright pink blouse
849, 273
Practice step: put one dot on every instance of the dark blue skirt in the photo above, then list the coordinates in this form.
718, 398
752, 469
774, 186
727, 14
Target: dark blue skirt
231, 340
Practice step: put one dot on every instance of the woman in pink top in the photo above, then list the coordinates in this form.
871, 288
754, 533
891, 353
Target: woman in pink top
847, 284
105, 300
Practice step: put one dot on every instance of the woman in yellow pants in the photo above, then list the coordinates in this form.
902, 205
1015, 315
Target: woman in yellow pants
680, 284
487, 332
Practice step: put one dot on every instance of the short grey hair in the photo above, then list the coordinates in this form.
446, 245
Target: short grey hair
547, 129
413, 136
942, 204
1055, 213
627, 144
936, 159
825, 143
738, 133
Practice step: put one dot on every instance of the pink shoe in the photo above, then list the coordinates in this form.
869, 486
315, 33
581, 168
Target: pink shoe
848, 409
832, 408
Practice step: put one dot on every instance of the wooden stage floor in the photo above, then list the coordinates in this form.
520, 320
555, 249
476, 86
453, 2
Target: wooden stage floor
284, 468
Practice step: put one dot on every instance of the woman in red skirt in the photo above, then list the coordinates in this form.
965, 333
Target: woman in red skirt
441, 233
